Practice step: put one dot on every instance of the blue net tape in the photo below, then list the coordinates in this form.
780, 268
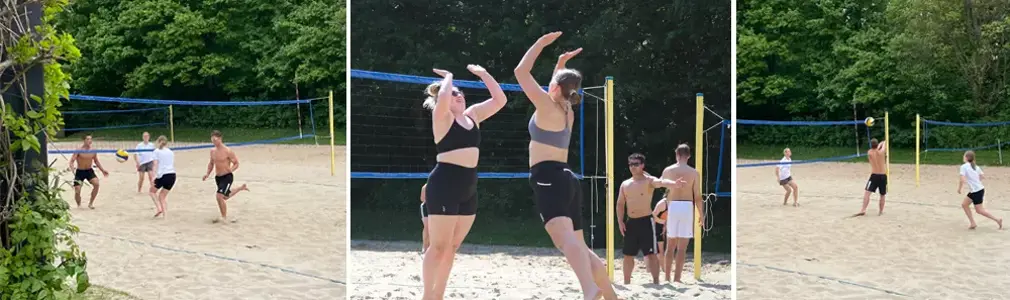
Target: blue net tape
191, 103
194, 147
966, 149
114, 127
379, 175
86, 112
362, 74
799, 162
796, 123
966, 124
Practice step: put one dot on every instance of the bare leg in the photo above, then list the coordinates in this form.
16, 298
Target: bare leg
681, 257
94, 192
600, 276
660, 256
461, 229
785, 200
425, 242
77, 195
140, 182
163, 198
796, 193
441, 231
629, 265
671, 250
157, 203
981, 210
222, 205
563, 235
866, 203
881, 205
652, 263
966, 205
236, 191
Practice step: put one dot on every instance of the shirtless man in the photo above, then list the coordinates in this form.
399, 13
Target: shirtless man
225, 162
683, 203
83, 171
639, 230
878, 175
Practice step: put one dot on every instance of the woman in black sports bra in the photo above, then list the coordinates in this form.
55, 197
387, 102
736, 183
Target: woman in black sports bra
451, 195
556, 190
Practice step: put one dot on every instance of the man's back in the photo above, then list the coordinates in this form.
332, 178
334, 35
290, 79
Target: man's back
688, 174
877, 161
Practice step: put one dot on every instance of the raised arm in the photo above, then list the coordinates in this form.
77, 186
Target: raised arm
484, 110
530, 86
667, 183
444, 96
882, 147
563, 59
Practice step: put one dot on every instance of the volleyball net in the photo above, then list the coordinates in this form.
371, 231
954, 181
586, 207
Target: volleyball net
810, 141
118, 123
987, 140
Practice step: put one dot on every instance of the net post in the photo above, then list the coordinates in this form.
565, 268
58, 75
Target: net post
699, 152
887, 137
171, 123
333, 149
582, 136
918, 141
610, 175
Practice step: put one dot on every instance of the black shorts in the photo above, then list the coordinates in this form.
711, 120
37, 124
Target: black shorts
166, 181
424, 211
639, 235
452, 190
557, 192
877, 182
224, 184
80, 176
145, 167
977, 197
785, 181
660, 233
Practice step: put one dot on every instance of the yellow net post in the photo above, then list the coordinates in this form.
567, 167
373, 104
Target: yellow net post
699, 151
918, 142
887, 137
609, 114
171, 124
333, 148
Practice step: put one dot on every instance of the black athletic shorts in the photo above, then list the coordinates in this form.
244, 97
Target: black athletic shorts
224, 184
977, 197
80, 176
639, 235
785, 181
452, 190
166, 181
557, 192
424, 211
660, 233
877, 182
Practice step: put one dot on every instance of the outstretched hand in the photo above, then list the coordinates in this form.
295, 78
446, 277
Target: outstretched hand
476, 70
441, 72
549, 38
568, 55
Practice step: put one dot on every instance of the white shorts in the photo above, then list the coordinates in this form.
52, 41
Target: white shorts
680, 219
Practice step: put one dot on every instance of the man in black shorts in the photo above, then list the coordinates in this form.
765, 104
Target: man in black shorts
639, 230
878, 175
225, 162
81, 163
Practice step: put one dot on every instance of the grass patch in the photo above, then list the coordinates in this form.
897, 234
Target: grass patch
97, 292
489, 230
202, 135
898, 156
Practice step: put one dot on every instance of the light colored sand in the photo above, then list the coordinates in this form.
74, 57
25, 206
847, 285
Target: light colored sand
288, 242
920, 248
391, 270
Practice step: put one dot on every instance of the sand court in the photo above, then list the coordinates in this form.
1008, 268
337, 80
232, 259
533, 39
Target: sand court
392, 270
920, 248
288, 241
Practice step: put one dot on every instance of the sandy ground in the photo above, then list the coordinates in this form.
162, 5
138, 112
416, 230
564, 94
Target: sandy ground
288, 241
391, 270
920, 248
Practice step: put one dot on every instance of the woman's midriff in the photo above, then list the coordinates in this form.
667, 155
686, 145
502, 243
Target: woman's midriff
542, 152
466, 157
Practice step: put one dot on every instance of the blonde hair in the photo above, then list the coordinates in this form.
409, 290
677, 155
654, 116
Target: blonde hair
970, 157
162, 142
432, 92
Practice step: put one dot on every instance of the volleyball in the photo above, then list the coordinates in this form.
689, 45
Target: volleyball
869, 121
121, 155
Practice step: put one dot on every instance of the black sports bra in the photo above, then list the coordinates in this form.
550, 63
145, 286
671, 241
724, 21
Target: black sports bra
459, 138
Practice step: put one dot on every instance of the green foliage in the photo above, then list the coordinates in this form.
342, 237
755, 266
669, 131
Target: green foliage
212, 50
825, 60
40, 254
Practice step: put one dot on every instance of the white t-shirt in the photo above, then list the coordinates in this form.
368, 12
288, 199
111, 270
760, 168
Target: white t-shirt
146, 156
166, 161
972, 177
784, 169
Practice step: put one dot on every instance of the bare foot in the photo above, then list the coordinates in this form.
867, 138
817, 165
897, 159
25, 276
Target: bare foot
158, 214
880, 213
785, 203
796, 204
859, 214
972, 227
1000, 222
91, 205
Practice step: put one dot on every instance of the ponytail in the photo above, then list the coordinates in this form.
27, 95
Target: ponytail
970, 157
432, 92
